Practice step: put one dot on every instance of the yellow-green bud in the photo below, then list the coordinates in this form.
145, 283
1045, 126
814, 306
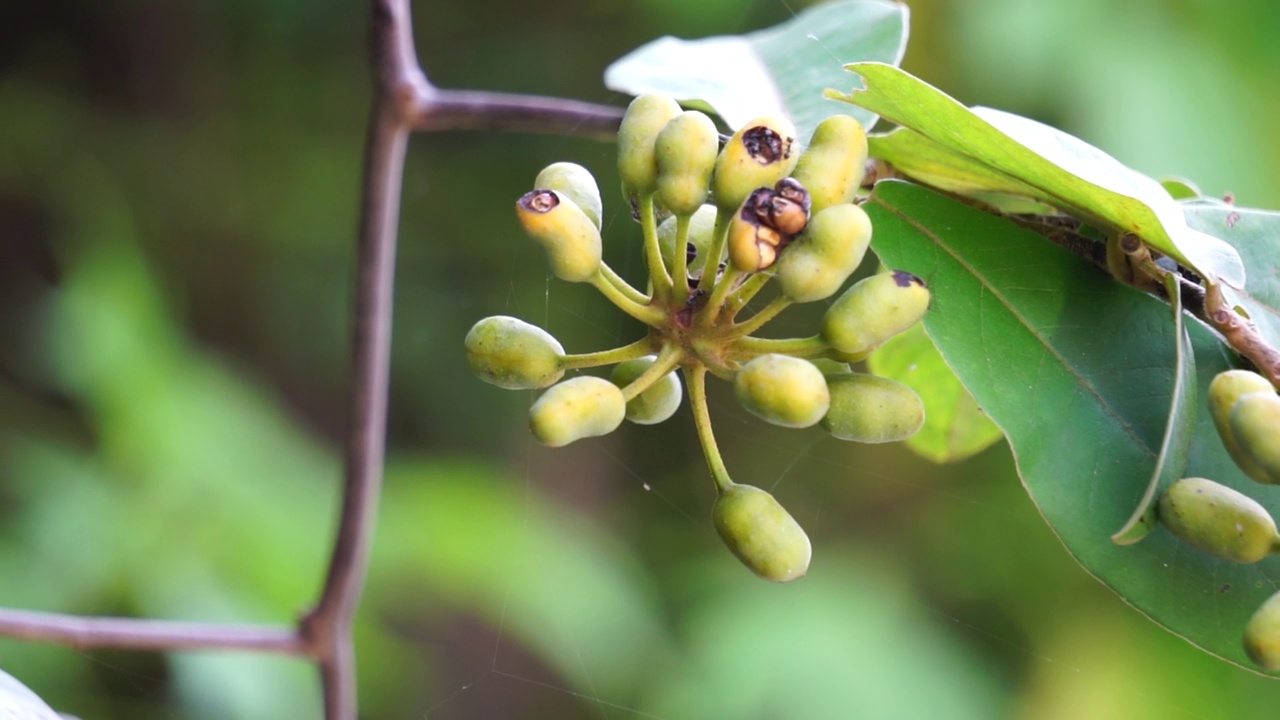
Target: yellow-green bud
783, 390
1225, 390
760, 154
637, 161
686, 151
762, 533
1255, 426
835, 161
576, 183
571, 240
818, 262
585, 406
1262, 635
511, 353
874, 310
1218, 520
872, 409
657, 402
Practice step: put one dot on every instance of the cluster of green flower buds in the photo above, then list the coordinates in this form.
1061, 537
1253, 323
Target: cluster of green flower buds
758, 207
1225, 522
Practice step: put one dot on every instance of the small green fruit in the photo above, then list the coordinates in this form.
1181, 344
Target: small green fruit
686, 151
585, 406
1255, 425
818, 262
1218, 520
1227, 388
874, 310
872, 409
646, 116
783, 390
762, 533
834, 163
511, 353
571, 240
658, 402
576, 183
1262, 635
760, 154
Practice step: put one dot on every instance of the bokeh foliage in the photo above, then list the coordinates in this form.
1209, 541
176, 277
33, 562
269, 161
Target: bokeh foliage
177, 204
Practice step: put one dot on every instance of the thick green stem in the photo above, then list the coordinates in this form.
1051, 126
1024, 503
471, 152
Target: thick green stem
668, 358
798, 347
697, 379
714, 252
711, 311
644, 313
623, 286
680, 258
652, 251
639, 348
758, 321
745, 292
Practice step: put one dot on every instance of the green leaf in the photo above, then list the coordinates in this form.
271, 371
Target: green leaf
781, 70
1253, 233
1065, 171
1078, 371
954, 426
1178, 431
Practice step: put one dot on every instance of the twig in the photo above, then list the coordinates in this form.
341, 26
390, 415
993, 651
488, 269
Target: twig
91, 632
1241, 334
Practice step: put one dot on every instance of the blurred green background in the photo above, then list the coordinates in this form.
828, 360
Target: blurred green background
178, 189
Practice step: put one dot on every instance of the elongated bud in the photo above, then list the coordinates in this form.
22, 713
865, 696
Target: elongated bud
874, 310
646, 116
761, 533
818, 262
571, 240
582, 407
835, 161
511, 353
1262, 635
655, 404
1255, 425
783, 390
871, 409
760, 154
1226, 389
576, 183
1218, 520
686, 151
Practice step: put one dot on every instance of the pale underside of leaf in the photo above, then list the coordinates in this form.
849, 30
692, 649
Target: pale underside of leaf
780, 70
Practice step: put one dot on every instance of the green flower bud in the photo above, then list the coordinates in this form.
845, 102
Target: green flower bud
686, 151
829, 367
571, 240
872, 409
760, 154
818, 262
1255, 425
646, 116
874, 310
576, 183
1226, 389
783, 390
585, 406
762, 533
511, 353
658, 402
1218, 520
834, 163
1262, 635
701, 230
